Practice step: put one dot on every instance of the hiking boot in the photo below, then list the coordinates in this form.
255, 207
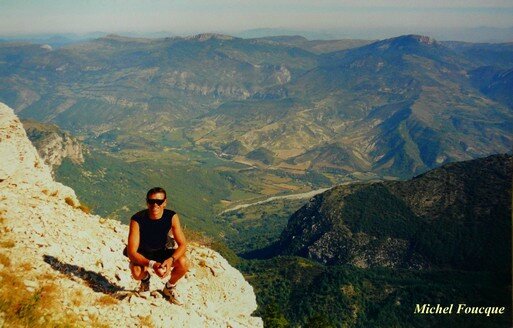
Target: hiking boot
145, 285
170, 294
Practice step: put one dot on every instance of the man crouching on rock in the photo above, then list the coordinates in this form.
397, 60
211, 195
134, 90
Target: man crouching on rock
147, 239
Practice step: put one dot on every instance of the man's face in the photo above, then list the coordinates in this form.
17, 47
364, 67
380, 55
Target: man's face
153, 201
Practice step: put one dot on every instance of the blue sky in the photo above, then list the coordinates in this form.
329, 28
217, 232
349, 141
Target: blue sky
194, 16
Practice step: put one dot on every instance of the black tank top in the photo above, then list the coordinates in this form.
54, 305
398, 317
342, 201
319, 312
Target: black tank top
153, 233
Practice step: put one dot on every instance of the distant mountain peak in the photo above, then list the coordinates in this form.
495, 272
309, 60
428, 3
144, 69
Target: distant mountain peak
208, 36
113, 36
46, 47
410, 40
420, 38
397, 46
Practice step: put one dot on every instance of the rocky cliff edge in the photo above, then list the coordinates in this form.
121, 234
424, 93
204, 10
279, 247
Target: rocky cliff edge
60, 265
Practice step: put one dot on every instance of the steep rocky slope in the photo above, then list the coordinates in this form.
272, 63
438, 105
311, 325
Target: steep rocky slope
70, 262
54, 145
456, 216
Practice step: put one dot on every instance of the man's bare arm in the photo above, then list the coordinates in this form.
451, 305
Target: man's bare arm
179, 236
133, 245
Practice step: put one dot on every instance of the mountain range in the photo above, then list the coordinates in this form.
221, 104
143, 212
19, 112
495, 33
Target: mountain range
225, 120
394, 107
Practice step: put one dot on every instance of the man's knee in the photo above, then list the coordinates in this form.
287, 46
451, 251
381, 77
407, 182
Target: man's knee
138, 272
182, 264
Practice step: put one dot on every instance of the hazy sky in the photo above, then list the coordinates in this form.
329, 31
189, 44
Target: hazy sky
192, 16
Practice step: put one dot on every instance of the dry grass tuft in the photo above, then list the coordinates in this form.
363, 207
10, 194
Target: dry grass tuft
24, 308
5, 260
47, 276
106, 300
95, 322
25, 266
69, 201
84, 209
7, 244
76, 300
146, 321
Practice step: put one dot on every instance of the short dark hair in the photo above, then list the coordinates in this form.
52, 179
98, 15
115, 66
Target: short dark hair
156, 190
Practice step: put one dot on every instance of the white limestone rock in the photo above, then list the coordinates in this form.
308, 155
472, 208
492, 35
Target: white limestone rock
81, 254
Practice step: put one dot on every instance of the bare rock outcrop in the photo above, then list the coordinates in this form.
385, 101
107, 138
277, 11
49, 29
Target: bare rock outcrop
54, 145
46, 239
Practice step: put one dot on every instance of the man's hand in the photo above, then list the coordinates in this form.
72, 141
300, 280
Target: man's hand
168, 265
157, 268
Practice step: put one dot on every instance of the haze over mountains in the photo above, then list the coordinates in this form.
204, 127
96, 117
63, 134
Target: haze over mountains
476, 34
394, 107
482, 34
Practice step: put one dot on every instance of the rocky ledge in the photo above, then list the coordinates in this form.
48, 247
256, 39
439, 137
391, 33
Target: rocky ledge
49, 244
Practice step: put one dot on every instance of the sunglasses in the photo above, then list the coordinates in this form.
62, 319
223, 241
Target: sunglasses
155, 201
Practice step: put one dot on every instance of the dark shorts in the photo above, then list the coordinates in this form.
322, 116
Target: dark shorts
159, 255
